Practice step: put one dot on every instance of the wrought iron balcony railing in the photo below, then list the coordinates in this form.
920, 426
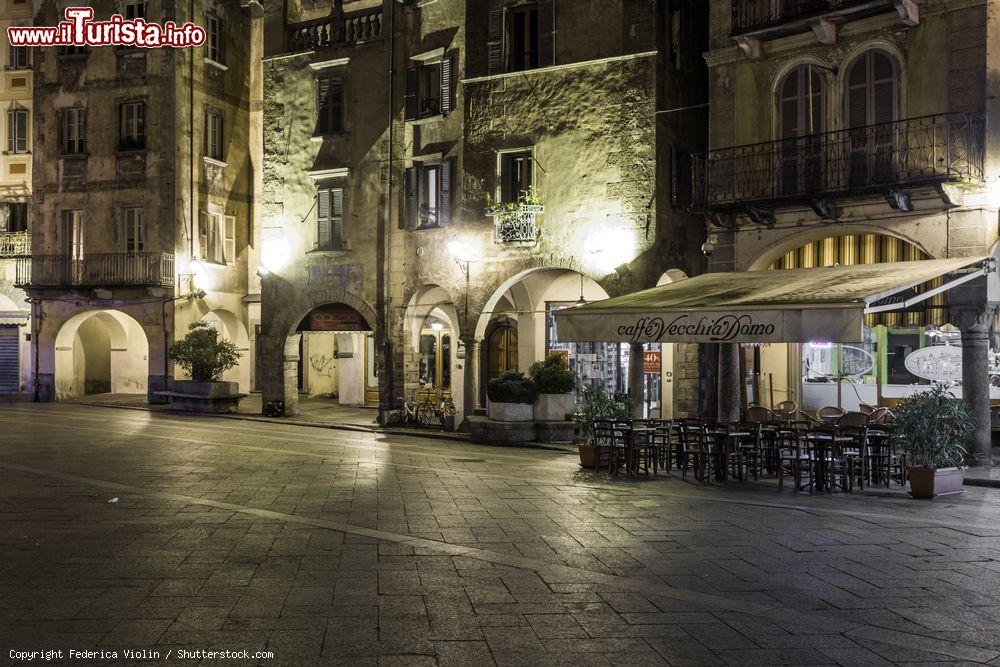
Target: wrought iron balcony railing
905, 153
113, 269
754, 15
519, 226
335, 30
15, 244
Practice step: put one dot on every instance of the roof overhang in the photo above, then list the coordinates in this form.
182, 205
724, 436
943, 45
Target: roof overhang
782, 306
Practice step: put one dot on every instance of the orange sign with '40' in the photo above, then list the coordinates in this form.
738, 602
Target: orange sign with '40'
651, 361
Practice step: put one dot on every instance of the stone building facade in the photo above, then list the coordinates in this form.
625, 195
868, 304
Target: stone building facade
146, 199
851, 133
536, 153
15, 196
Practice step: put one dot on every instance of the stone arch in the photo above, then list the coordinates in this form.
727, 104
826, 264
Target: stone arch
291, 315
432, 300
99, 351
231, 328
778, 250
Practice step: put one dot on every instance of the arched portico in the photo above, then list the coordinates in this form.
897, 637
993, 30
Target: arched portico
100, 351
231, 328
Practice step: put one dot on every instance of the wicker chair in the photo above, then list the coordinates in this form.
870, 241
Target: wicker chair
759, 414
829, 414
787, 409
852, 420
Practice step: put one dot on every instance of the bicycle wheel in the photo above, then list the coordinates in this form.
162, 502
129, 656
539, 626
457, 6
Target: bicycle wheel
425, 415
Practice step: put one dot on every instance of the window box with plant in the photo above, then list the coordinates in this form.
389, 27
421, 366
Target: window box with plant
554, 382
515, 221
930, 427
205, 358
597, 405
510, 398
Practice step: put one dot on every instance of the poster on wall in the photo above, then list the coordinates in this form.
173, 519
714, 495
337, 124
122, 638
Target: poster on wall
939, 363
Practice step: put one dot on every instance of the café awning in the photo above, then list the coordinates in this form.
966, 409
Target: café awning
781, 306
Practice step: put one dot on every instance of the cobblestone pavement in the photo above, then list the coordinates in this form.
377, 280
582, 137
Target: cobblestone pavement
338, 547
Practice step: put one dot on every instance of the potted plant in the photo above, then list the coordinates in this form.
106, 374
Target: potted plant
596, 405
510, 397
205, 358
930, 427
554, 382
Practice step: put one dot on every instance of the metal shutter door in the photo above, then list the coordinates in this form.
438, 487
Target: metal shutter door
9, 362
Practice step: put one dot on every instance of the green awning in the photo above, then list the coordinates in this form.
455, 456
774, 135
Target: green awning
781, 306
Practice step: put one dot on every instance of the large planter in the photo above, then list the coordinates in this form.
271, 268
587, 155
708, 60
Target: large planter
204, 397
587, 455
509, 412
929, 482
554, 407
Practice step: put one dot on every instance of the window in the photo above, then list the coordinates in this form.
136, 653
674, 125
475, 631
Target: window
213, 135
428, 195
133, 9
72, 234
521, 38
801, 118
132, 126
330, 219
14, 218
133, 229
74, 131
17, 131
516, 175
217, 237
871, 90
214, 41
428, 89
71, 50
329, 105
17, 57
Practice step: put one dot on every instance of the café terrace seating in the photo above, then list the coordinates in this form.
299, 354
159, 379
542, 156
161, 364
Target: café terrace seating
833, 450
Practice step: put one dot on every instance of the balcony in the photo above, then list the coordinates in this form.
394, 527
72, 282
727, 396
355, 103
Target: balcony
335, 30
15, 244
113, 269
755, 21
515, 225
877, 158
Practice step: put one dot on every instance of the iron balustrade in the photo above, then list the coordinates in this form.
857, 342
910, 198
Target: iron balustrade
335, 30
520, 226
751, 15
15, 244
113, 269
905, 153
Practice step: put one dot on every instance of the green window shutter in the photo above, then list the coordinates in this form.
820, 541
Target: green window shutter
230, 236
444, 191
337, 218
495, 45
411, 203
323, 239
447, 88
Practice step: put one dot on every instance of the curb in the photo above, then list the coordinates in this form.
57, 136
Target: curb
988, 483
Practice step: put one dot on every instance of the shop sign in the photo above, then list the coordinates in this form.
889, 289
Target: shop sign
651, 361
334, 317
940, 363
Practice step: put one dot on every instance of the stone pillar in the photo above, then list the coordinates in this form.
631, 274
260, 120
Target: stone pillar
290, 375
975, 323
708, 384
635, 377
470, 379
730, 403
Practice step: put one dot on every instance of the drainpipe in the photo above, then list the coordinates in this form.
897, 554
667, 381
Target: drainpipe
36, 326
386, 390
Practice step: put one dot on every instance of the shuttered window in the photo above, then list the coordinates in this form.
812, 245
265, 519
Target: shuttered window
214, 136
330, 219
521, 38
217, 237
17, 57
329, 105
801, 102
133, 220
9, 359
516, 175
72, 234
213, 44
428, 195
74, 130
132, 126
872, 90
429, 89
14, 217
17, 131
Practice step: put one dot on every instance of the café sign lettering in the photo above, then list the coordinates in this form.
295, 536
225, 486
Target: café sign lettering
719, 329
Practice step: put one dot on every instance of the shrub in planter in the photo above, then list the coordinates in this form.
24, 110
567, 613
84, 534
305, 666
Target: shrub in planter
597, 405
510, 397
554, 382
205, 358
930, 427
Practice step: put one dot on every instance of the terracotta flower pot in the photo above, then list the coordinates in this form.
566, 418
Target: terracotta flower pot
926, 483
587, 454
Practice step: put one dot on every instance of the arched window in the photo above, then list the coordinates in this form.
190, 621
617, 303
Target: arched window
872, 89
801, 102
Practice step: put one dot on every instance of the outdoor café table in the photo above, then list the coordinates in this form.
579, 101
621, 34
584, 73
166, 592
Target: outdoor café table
727, 441
824, 443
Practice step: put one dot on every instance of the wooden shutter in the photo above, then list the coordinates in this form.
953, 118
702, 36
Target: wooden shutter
323, 219
337, 218
447, 89
203, 235
857, 93
121, 232
546, 33
444, 191
336, 105
495, 44
322, 105
410, 95
883, 95
10, 131
506, 179
411, 203
229, 249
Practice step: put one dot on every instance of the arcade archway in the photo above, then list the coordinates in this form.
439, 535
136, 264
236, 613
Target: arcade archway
336, 355
101, 351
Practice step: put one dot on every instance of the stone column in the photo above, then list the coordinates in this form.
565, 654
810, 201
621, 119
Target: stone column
290, 375
975, 324
470, 379
730, 402
635, 378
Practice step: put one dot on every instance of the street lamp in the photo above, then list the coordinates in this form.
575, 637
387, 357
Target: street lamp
464, 254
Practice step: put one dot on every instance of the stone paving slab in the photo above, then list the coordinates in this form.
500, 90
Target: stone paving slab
325, 546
